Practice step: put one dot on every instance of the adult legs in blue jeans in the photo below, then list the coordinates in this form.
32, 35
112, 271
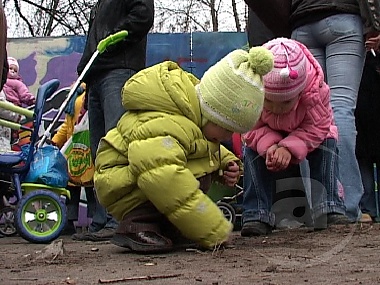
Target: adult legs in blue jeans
104, 109
260, 186
337, 43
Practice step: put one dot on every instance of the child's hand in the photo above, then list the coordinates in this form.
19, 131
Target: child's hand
232, 174
269, 155
21, 118
281, 159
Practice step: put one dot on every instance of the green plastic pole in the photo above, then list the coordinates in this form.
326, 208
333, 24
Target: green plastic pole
8, 124
102, 46
11, 107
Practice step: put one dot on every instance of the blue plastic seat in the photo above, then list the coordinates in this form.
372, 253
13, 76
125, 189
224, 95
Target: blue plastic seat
18, 161
11, 158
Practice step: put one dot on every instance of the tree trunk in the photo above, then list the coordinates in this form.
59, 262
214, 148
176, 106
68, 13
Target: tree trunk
49, 26
214, 16
236, 15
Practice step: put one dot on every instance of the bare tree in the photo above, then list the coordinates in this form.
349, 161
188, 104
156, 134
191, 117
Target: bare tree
199, 15
236, 15
179, 16
214, 6
47, 17
40, 18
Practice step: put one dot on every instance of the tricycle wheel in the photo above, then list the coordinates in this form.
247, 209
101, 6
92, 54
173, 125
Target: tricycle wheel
40, 216
228, 211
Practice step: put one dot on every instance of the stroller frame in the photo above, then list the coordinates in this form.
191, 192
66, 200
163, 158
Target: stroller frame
40, 226
39, 214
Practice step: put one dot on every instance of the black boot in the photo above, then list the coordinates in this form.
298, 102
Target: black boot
255, 228
140, 231
326, 220
69, 229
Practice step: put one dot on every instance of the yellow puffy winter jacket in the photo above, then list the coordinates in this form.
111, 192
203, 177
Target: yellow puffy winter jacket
157, 152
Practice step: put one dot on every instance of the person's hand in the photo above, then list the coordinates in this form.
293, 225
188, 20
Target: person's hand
280, 160
232, 174
269, 155
21, 119
372, 42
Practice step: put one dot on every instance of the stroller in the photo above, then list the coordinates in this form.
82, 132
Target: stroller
231, 205
35, 211
230, 199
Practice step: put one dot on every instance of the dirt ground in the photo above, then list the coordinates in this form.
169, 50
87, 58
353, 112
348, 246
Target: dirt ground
339, 255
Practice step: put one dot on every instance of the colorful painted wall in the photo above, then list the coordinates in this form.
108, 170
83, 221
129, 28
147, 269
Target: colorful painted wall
42, 59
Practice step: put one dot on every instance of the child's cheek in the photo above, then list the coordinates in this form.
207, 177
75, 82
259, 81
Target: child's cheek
12, 74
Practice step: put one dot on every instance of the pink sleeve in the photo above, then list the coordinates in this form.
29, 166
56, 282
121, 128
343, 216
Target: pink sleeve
24, 95
237, 145
261, 138
312, 132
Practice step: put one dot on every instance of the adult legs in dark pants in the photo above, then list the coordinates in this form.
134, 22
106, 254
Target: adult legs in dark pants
72, 205
104, 109
368, 139
368, 201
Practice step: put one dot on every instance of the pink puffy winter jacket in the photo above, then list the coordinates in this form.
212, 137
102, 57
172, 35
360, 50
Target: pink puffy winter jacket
17, 92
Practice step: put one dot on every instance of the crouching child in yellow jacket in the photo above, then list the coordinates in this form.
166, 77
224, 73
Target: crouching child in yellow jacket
152, 169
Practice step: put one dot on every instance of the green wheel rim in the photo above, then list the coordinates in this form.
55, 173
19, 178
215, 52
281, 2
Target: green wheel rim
41, 216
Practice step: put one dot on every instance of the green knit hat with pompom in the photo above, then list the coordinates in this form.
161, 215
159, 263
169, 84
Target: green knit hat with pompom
231, 92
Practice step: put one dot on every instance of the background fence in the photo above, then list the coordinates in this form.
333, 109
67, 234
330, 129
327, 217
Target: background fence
42, 59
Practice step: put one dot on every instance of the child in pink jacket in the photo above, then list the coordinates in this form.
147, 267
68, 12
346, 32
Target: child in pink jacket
15, 90
296, 124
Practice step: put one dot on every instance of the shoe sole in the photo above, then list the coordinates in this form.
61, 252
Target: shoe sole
251, 232
79, 237
88, 237
328, 222
126, 242
96, 238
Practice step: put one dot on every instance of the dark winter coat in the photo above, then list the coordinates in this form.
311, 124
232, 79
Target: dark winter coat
274, 18
109, 17
3, 49
300, 12
368, 111
308, 11
258, 33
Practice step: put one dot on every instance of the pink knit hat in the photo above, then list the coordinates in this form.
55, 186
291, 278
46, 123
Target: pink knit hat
13, 61
287, 79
